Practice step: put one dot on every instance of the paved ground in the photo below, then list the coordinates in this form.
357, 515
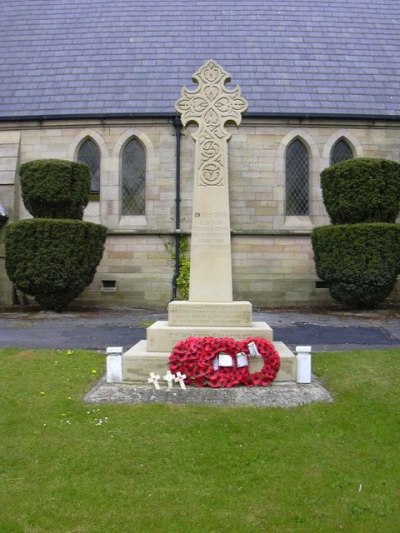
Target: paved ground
324, 330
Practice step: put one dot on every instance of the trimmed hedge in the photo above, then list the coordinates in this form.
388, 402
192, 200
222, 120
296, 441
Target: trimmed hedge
53, 260
362, 190
360, 262
54, 188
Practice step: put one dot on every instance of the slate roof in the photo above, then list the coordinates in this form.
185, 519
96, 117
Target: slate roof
94, 57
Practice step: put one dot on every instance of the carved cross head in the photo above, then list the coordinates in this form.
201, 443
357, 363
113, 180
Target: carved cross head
211, 105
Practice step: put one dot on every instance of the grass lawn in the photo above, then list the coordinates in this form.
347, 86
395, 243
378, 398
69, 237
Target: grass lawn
70, 467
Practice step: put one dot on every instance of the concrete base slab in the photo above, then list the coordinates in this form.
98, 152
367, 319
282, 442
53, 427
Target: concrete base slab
162, 338
138, 362
283, 395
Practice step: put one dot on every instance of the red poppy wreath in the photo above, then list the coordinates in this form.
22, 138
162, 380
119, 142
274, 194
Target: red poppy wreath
223, 362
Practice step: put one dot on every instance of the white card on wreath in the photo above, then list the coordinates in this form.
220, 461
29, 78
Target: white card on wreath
241, 360
225, 359
253, 349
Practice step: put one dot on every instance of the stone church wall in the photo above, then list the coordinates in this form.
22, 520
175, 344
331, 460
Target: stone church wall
272, 256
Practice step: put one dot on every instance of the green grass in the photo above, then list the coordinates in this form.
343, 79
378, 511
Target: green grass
321, 467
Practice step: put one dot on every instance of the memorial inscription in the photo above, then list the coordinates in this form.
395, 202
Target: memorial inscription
212, 231
208, 314
171, 336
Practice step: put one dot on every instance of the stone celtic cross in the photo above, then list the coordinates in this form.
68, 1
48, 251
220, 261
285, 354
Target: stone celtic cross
211, 106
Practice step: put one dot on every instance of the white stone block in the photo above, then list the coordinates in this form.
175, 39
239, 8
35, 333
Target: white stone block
114, 369
303, 358
114, 350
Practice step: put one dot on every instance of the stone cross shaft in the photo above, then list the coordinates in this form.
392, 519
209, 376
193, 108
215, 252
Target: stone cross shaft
211, 106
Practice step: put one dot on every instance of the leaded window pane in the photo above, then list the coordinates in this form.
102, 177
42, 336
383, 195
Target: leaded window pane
297, 179
133, 178
89, 153
341, 151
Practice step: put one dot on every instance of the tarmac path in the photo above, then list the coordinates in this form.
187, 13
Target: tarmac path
95, 329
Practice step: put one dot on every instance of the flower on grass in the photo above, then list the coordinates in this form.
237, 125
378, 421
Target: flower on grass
42, 393
94, 371
99, 421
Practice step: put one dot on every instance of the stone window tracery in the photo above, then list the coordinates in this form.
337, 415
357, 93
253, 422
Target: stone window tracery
89, 153
133, 178
297, 179
341, 151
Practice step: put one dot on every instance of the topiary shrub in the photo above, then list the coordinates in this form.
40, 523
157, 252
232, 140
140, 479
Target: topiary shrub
360, 262
53, 260
54, 188
362, 190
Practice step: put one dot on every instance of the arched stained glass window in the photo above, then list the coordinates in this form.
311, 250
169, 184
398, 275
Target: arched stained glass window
341, 151
89, 153
133, 178
297, 179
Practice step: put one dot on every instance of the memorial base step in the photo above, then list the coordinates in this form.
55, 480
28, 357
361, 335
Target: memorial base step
162, 338
138, 362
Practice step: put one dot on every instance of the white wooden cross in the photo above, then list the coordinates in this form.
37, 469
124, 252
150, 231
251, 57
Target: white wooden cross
169, 378
179, 378
154, 380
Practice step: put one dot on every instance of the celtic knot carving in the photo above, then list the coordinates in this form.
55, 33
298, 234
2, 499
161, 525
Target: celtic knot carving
211, 106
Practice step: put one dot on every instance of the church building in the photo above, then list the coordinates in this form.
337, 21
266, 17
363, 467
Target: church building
97, 81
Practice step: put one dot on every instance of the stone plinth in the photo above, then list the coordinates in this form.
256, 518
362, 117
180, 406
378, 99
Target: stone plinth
138, 362
161, 337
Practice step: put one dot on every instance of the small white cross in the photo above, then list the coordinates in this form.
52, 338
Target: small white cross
169, 378
179, 378
154, 379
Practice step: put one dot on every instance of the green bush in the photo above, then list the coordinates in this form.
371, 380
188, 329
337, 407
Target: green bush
360, 262
182, 281
53, 260
54, 188
362, 190
184, 269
